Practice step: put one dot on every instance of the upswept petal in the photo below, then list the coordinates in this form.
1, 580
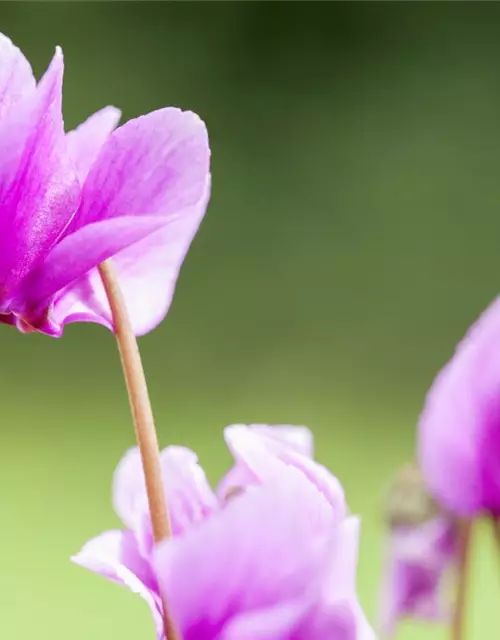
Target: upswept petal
16, 76
279, 436
147, 273
190, 496
275, 539
259, 459
129, 489
114, 555
39, 192
85, 142
156, 164
254, 463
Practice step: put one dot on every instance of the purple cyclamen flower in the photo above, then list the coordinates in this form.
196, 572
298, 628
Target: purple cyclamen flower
274, 564
199, 517
70, 201
421, 552
418, 560
459, 431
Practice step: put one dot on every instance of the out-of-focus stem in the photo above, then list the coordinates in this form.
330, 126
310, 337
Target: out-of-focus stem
458, 624
142, 415
495, 524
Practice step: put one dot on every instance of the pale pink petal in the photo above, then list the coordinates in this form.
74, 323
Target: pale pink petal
280, 622
85, 141
267, 548
299, 438
129, 489
190, 497
147, 273
39, 192
260, 459
339, 596
344, 560
114, 556
254, 463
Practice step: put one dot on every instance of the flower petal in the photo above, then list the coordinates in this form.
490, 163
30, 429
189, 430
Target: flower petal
16, 76
114, 555
345, 560
190, 497
418, 559
260, 458
154, 165
280, 622
129, 489
267, 549
71, 257
85, 141
279, 436
459, 429
296, 621
147, 273
39, 192
340, 601
254, 463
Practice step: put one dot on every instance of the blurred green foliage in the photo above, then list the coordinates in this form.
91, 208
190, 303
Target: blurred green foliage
351, 239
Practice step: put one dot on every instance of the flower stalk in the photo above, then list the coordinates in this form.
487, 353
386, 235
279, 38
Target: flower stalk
458, 623
142, 416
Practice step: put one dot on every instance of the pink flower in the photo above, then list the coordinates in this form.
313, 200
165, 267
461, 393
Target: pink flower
459, 431
419, 558
274, 564
70, 201
291, 547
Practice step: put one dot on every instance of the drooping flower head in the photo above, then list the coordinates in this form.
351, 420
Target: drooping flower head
70, 201
299, 581
459, 430
421, 552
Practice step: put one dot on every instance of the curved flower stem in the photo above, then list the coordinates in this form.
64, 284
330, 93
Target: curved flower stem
495, 523
464, 543
142, 415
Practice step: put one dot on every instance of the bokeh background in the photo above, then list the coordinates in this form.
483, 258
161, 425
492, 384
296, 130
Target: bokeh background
353, 235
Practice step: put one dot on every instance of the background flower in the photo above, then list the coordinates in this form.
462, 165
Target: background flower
418, 560
272, 455
266, 566
459, 429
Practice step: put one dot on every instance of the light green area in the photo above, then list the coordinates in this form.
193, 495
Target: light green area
352, 237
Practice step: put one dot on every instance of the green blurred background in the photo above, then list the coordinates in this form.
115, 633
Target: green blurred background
352, 237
